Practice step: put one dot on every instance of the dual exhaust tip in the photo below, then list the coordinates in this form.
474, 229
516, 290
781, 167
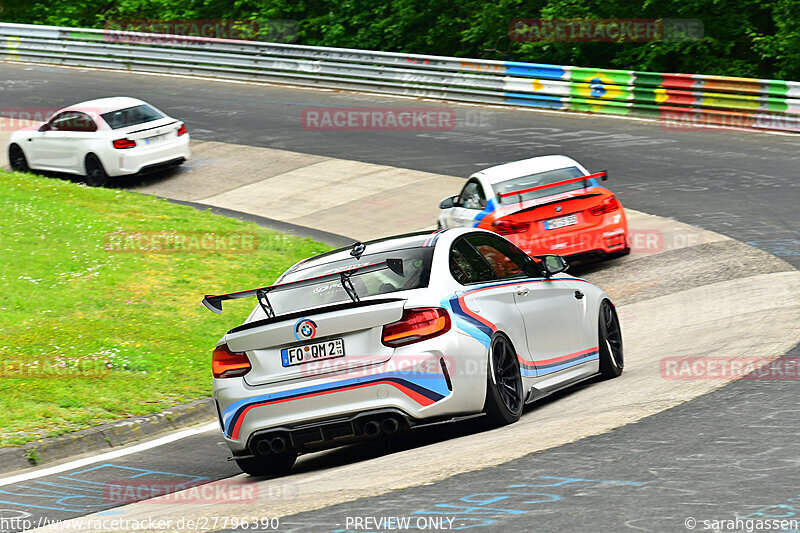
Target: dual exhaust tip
276, 445
388, 426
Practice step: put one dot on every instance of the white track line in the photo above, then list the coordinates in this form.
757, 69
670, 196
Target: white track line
78, 463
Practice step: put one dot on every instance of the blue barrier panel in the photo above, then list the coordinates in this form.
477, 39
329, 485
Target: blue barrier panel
536, 70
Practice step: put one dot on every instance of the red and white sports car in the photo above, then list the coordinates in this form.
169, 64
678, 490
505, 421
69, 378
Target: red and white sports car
544, 205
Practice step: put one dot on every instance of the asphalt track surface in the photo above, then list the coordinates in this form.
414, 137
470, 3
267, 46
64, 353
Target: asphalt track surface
730, 453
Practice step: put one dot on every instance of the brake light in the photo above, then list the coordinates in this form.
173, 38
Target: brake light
182, 130
416, 325
122, 144
507, 227
609, 204
228, 364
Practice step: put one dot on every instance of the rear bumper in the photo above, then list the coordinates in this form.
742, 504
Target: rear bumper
334, 432
609, 237
146, 159
415, 386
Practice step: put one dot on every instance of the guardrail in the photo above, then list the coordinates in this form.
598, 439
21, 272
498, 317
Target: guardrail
688, 99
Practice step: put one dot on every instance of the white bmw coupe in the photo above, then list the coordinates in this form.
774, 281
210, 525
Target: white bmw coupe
101, 138
404, 332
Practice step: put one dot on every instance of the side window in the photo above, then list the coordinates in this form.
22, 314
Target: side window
73, 121
506, 260
467, 265
472, 196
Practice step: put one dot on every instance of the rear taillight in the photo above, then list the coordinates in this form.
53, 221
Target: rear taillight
182, 130
507, 227
416, 325
122, 144
609, 204
228, 364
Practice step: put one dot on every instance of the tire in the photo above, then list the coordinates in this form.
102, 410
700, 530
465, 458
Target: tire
504, 400
95, 173
610, 341
17, 159
270, 465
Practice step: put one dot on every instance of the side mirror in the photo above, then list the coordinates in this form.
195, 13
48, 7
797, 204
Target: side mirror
553, 264
534, 269
448, 202
45, 127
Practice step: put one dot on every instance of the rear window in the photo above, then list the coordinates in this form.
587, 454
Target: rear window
131, 116
416, 274
537, 180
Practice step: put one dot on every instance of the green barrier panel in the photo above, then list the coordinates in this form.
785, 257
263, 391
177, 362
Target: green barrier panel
776, 88
648, 79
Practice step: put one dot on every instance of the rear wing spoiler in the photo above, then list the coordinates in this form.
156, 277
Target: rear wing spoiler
214, 302
602, 175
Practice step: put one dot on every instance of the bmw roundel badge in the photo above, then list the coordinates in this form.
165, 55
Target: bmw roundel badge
305, 329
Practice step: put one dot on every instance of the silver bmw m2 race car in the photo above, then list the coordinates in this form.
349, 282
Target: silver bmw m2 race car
400, 332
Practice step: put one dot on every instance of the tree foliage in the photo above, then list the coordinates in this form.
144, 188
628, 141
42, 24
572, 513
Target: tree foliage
756, 38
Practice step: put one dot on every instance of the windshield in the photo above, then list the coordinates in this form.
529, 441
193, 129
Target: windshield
131, 116
416, 273
537, 180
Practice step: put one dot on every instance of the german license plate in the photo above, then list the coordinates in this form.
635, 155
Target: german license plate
555, 223
156, 139
317, 351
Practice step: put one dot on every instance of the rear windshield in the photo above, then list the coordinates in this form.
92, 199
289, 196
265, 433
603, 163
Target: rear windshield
536, 180
131, 116
416, 273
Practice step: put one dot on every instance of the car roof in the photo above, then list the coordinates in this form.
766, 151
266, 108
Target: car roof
386, 244
525, 167
104, 105
420, 239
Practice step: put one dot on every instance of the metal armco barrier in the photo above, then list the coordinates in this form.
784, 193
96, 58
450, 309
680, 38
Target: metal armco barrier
679, 99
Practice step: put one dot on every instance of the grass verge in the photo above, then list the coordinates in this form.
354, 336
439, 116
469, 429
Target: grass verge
100, 294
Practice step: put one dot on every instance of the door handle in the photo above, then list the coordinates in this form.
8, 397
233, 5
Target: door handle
522, 291
579, 295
